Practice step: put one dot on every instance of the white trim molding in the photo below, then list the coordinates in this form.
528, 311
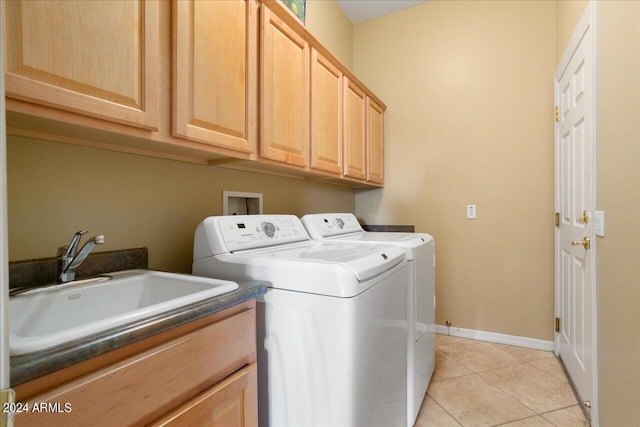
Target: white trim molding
533, 343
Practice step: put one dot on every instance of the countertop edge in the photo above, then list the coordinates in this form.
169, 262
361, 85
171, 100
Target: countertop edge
25, 368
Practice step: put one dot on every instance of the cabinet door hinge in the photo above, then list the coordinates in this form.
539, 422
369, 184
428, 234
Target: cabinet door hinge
557, 114
557, 219
557, 324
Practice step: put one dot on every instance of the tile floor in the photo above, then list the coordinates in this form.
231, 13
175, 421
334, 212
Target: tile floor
476, 383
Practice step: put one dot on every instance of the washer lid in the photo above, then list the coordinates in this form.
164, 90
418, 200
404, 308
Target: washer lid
365, 261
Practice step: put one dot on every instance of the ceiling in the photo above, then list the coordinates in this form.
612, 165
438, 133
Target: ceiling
363, 10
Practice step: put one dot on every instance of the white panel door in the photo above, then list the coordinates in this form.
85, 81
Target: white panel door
575, 268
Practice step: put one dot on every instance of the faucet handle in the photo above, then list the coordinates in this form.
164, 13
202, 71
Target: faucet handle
72, 249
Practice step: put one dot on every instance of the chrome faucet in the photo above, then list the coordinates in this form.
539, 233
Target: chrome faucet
69, 259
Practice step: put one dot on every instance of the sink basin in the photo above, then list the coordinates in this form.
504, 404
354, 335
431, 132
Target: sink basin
48, 317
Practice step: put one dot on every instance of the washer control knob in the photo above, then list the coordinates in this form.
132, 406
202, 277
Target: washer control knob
339, 223
269, 229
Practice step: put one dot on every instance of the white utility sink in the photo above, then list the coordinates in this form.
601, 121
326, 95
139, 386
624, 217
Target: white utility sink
47, 317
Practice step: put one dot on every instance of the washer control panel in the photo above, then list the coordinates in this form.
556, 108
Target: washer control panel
332, 224
241, 232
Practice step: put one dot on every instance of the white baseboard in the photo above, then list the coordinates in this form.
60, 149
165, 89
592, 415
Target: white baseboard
533, 343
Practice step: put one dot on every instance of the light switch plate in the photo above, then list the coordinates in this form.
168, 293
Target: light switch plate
598, 223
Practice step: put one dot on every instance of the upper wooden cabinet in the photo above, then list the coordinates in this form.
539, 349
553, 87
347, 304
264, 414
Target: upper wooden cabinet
326, 114
96, 58
284, 89
237, 83
354, 130
375, 142
215, 72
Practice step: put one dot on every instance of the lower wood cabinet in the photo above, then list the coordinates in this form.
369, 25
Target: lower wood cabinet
230, 403
205, 377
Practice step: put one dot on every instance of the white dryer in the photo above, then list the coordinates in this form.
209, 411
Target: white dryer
331, 329
420, 250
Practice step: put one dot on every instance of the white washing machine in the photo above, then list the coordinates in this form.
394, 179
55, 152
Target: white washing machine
331, 329
420, 249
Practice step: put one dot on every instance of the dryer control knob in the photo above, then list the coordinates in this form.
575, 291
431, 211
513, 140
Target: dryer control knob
269, 229
339, 222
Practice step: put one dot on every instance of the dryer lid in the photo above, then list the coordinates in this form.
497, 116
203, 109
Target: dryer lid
408, 240
345, 227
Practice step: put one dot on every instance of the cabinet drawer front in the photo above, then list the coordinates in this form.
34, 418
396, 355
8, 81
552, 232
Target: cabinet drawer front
94, 58
143, 387
232, 403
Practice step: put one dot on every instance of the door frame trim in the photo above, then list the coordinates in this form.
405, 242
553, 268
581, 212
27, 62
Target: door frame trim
587, 21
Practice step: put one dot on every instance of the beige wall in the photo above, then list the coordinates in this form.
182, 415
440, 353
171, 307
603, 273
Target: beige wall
618, 194
326, 21
469, 91
56, 189
568, 13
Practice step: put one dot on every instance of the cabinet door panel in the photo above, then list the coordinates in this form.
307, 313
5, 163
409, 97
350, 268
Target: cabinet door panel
375, 142
285, 93
326, 115
99, 58
354, 131
231, 403
215, 72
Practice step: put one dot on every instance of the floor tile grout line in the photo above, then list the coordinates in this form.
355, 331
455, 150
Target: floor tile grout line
523, 403
549, 373
521, 419
559, 409
447, 412
498, 388
474, 371
541, 415
536, 413
506, 366
456, 377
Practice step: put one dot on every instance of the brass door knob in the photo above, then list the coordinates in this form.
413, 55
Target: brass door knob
586, 243
585, 217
